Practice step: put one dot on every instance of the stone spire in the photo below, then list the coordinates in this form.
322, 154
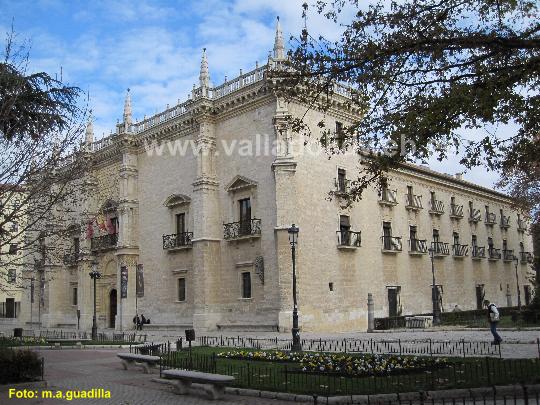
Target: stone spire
204, 77
127, 111
279, 48
89, 135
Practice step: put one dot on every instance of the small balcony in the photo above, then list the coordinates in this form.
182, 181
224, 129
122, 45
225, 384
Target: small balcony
494, 254
388, 197
177, 241
418, 246
456, 211
391, 244
526, 257
436, 207
491, 218
413, 202
508, 255
440, 249
505, 222
521, 225
348, 239
475, 215
242, 229
105, 242
342, 186
478, 252
71, 258
459, 250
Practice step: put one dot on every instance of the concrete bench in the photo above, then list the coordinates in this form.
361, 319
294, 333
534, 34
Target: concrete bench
57, 342
216, 382
142, 360
418, 322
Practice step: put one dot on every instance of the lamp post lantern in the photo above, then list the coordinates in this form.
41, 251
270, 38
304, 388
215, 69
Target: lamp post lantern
516, 261
434, 295
293, 240
94, 275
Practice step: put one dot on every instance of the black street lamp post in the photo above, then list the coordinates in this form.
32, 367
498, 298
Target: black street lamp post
516, 261
293, 240
94, 275
434, 298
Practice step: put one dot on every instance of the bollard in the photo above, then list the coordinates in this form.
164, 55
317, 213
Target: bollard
371, 318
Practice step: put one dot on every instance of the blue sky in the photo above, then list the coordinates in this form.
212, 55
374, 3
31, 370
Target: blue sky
154, 48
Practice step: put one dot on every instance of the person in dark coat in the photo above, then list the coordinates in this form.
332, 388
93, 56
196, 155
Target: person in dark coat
136, 321
143, 321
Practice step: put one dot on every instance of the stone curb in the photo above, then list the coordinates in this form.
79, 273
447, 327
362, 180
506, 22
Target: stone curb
24, 385
88, 347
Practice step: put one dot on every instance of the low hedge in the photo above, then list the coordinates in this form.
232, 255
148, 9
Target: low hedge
19, 366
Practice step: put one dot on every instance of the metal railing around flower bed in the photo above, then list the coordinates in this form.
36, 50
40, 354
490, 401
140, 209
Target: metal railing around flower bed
424, 347
290, 377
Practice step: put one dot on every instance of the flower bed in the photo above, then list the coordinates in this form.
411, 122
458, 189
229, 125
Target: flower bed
342, 364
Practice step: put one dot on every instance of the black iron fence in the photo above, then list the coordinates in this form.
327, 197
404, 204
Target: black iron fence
240, 229
424, 347
101, 337
289, 377
177, 240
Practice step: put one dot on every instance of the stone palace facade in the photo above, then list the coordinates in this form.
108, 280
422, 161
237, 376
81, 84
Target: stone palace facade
201, 195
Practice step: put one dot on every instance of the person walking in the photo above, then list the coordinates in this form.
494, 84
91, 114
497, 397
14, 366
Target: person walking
136, 321
493, 319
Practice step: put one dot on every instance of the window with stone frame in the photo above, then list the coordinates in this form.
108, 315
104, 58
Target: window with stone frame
74, 297
12, 276
181, 289
246, 284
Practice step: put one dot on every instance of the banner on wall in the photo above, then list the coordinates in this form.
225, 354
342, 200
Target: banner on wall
140, 281
123, 281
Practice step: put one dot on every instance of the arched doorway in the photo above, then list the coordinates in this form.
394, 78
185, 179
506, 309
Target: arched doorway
112, 308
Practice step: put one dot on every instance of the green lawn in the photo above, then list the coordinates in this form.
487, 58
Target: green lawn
289, 377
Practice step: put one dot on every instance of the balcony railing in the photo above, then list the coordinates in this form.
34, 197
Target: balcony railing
491, 218
440, 248
456, 211
349, 238
342, 186
522, 226
391, 244
526, 257
71, 259
177, 240
242, 229
413, 202
388, 197
475, 215
478, 252
436, 207
505, 221
104, 242
508, 255
418, 246
459, 250
494, 254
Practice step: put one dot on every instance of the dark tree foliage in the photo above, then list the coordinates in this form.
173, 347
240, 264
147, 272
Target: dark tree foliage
32, 105
423, 71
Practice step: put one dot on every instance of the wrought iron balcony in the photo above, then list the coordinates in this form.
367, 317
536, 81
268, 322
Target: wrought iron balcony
522, 226
508, 255
436, 207
526, 257
491, 218
413, 202
349, 239
242, 229
104, 242
505, 221
417, 246
475, 215
456, 211
342, 185
177, 240
494, 254
391, 244
459, 250
388, 197
440, 248
71, 258
478, 252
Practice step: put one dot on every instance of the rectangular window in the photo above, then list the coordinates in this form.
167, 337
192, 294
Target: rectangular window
387, 236
246, 284
13, 249
114, 223
436, 236
74, 297
455, 236
342, 180
12, 276
340, 136
180, 223
344, 228
181, 289
413, 232
474, 241
490, 243
14, 227
505, 244
245, 216
76, 246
